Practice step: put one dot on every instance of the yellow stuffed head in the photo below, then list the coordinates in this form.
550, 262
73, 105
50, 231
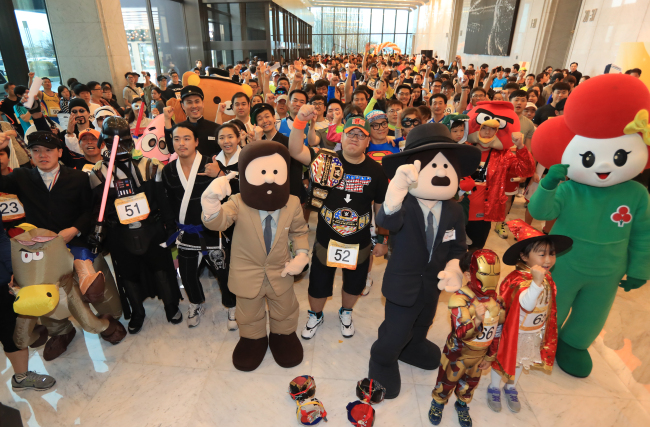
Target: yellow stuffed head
39, 259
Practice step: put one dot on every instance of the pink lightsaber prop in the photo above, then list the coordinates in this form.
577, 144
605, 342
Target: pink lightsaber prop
109, 176
137, 124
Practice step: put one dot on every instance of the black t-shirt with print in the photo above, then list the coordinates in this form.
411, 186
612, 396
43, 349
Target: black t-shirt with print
176, 88
346, 214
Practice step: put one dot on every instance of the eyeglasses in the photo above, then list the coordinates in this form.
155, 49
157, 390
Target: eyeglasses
318, 104
394, 111
356, 136
377, 126
478, 95
407, 123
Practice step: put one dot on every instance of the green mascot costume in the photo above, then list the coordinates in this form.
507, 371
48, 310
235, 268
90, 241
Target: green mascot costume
599, 206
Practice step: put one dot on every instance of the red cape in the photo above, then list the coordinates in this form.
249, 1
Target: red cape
509, 290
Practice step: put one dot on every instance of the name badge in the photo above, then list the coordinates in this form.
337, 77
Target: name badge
11, 208
211, 138
449, 235
534, 321
486, 333
178, 95
342, 255
132, 209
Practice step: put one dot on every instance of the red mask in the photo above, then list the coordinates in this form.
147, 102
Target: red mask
484, 270
503, 112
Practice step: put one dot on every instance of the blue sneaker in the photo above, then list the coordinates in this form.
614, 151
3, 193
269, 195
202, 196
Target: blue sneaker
463, 414
494, 398
512, 399
435, 412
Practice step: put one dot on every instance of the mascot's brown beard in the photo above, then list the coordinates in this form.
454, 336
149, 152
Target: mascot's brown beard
258, 196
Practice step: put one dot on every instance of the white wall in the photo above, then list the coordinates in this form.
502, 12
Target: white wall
435, 25
596, 42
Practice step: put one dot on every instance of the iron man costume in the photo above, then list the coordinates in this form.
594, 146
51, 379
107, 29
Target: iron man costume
470, 342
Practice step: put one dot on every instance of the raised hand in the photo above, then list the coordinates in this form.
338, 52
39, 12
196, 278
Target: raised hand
306, 113
538, 273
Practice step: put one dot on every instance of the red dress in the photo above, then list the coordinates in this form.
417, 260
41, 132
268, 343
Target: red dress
509, 290
493, 200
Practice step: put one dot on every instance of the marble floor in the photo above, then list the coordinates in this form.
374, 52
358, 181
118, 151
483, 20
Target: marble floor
173, 376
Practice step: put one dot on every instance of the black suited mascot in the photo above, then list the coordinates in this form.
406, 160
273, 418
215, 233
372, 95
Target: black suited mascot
427, 233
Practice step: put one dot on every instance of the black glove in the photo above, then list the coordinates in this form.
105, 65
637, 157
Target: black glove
36, 107
96, 239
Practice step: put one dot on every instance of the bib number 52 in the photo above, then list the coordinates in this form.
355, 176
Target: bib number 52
342, 255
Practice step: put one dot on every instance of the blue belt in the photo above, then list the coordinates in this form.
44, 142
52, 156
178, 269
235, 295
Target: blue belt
190, 229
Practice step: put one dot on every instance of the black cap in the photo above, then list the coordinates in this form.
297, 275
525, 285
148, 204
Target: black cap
78, 102
44, 138
191, 90
161, 78
433, 136
258, 108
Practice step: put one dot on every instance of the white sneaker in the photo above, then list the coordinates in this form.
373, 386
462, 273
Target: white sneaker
347, 326
366, 290
313, 322
232, 322
194, 314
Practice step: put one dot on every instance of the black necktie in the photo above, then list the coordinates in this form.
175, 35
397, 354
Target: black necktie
268, 234
429, 232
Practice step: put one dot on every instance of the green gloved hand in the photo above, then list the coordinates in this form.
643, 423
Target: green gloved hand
556, 173
631, 283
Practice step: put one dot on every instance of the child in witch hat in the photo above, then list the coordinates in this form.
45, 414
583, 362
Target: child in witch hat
529, 334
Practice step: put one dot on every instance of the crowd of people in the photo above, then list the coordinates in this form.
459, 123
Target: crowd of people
350, 111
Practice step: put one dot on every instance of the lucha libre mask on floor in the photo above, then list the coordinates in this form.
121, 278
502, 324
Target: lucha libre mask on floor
501, 111
484, 270
264, 175
117, 126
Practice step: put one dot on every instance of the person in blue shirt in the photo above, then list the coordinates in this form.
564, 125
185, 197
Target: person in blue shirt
500, 81
22, 113
297, 98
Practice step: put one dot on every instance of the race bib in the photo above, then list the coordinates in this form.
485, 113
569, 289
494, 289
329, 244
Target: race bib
486, 332
534, 321
11, 208
342, 255
132, 209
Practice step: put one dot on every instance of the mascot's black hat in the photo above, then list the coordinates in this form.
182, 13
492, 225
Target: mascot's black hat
433, 136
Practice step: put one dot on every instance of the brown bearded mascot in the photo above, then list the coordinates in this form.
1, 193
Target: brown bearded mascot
48, 288
266, 219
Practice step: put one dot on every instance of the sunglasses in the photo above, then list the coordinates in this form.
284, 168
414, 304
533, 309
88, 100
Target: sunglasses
79, 111
377, 126
407, 123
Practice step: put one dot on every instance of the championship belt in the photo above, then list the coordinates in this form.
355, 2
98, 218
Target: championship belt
325, 171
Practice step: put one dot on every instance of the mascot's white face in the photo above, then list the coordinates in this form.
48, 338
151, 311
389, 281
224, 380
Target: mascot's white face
605, 162
437, 180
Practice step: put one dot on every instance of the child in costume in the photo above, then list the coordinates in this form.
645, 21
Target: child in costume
493, 128
529, 335
600, 207
458, 125
476, 319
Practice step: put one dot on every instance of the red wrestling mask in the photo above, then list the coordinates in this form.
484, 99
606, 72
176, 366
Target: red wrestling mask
484, 270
